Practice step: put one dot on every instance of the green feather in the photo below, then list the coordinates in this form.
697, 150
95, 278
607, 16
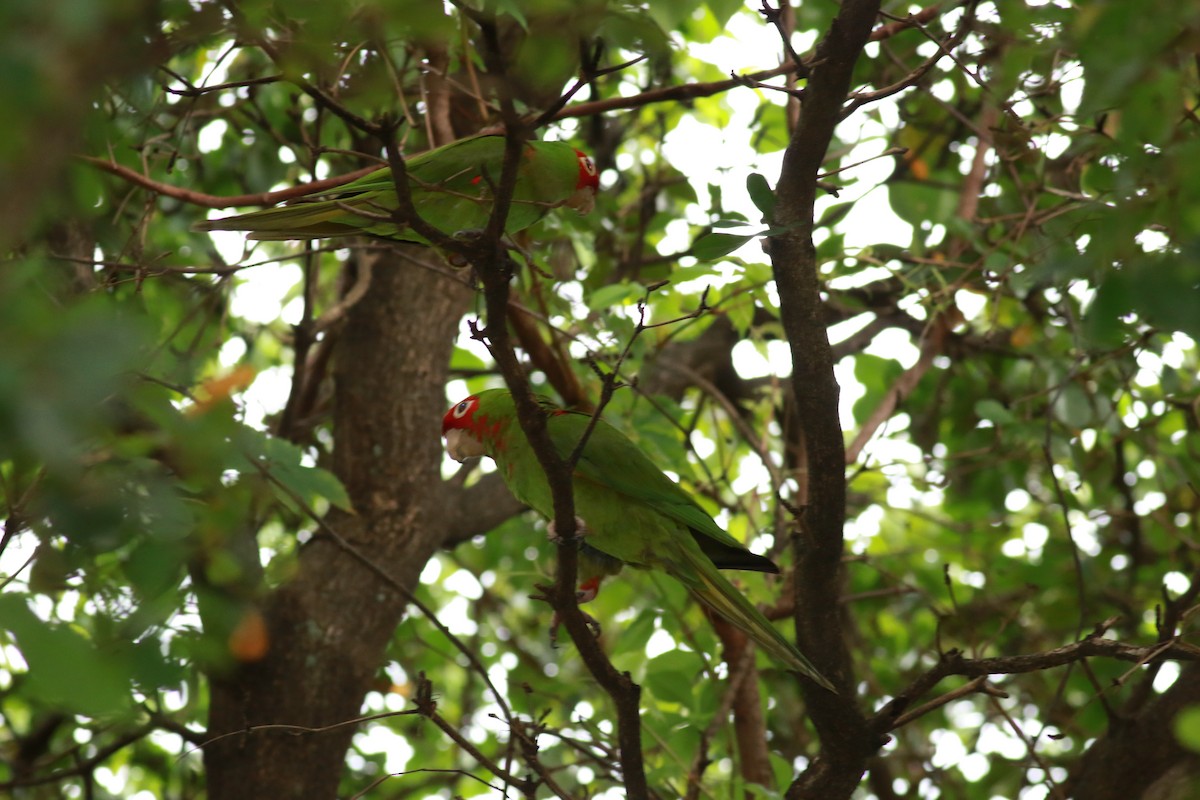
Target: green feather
451, 190
634, 513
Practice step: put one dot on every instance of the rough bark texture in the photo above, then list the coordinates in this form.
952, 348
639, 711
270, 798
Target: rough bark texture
845, 741
749, 723
1139, 758
329, 625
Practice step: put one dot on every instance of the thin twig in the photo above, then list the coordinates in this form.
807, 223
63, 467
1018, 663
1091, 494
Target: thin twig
215, 201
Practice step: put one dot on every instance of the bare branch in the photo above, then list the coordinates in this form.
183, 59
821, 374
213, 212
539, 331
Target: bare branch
1094, 645
215, 201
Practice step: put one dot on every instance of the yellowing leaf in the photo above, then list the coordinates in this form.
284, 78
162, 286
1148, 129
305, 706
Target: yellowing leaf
249, 641
215, 390
1022, 336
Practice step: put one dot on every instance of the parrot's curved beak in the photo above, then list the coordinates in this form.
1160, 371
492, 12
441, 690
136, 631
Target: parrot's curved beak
461, 445
583, 200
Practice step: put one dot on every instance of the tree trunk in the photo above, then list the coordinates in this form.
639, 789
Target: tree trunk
1139, 757
330, 624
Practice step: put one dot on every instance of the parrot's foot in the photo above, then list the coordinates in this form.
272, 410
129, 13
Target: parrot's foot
581, 530
592, 623
474, 240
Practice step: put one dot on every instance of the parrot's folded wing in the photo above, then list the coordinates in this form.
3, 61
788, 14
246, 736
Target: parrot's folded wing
611, 459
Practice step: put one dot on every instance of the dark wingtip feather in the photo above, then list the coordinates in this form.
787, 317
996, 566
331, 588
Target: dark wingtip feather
726, 557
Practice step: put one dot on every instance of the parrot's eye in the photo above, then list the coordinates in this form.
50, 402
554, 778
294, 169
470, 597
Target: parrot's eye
462, 408
589, 166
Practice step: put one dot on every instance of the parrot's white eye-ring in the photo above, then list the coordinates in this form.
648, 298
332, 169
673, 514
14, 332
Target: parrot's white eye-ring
589, 166
462, 408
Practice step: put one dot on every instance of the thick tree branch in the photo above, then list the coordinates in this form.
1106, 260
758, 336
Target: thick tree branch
846, 741
749, 724
476, 509
495, 270
954, 662
1139, 756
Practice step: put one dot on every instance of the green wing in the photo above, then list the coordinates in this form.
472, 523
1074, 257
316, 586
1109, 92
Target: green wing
451, 189
614, 463
612, 460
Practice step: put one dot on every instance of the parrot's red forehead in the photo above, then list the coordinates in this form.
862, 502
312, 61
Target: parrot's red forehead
588, 174
460, 414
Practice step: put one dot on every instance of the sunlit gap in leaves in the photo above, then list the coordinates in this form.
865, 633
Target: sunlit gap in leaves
11, 661
859, 531
744, 36
381, 740
211, 136
754, 360
1168, 673
660, 642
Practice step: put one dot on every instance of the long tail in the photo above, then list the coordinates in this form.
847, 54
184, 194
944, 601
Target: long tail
314, 220
703, 580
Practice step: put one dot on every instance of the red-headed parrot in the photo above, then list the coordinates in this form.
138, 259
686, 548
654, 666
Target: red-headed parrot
451, 190
632, 512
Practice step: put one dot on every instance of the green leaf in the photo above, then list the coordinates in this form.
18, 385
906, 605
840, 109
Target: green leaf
670, 677
636, 30
65, 669
513, 9
155, 566
761, 792
614, 294
994, 411
1187, 727
761, 194
711, 246
462, 359
834, 214
282, 460
741, 315
722, 10
1073, 406
917, 203
634, 637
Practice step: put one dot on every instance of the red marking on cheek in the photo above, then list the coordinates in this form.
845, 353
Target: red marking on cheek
558, 412
476, 180
488, 431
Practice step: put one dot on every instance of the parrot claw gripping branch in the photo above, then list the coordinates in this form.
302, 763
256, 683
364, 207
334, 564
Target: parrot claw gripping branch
634, 514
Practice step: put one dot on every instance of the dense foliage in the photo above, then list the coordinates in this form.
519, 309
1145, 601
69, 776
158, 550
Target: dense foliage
235, 563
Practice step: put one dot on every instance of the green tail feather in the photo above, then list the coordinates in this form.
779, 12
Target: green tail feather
711, 589
306, 220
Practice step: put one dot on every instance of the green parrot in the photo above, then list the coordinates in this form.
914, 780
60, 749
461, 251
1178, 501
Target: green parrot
630, 511
451, 190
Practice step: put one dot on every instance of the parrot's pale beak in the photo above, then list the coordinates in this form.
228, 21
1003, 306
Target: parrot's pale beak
583, 200
461, 445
